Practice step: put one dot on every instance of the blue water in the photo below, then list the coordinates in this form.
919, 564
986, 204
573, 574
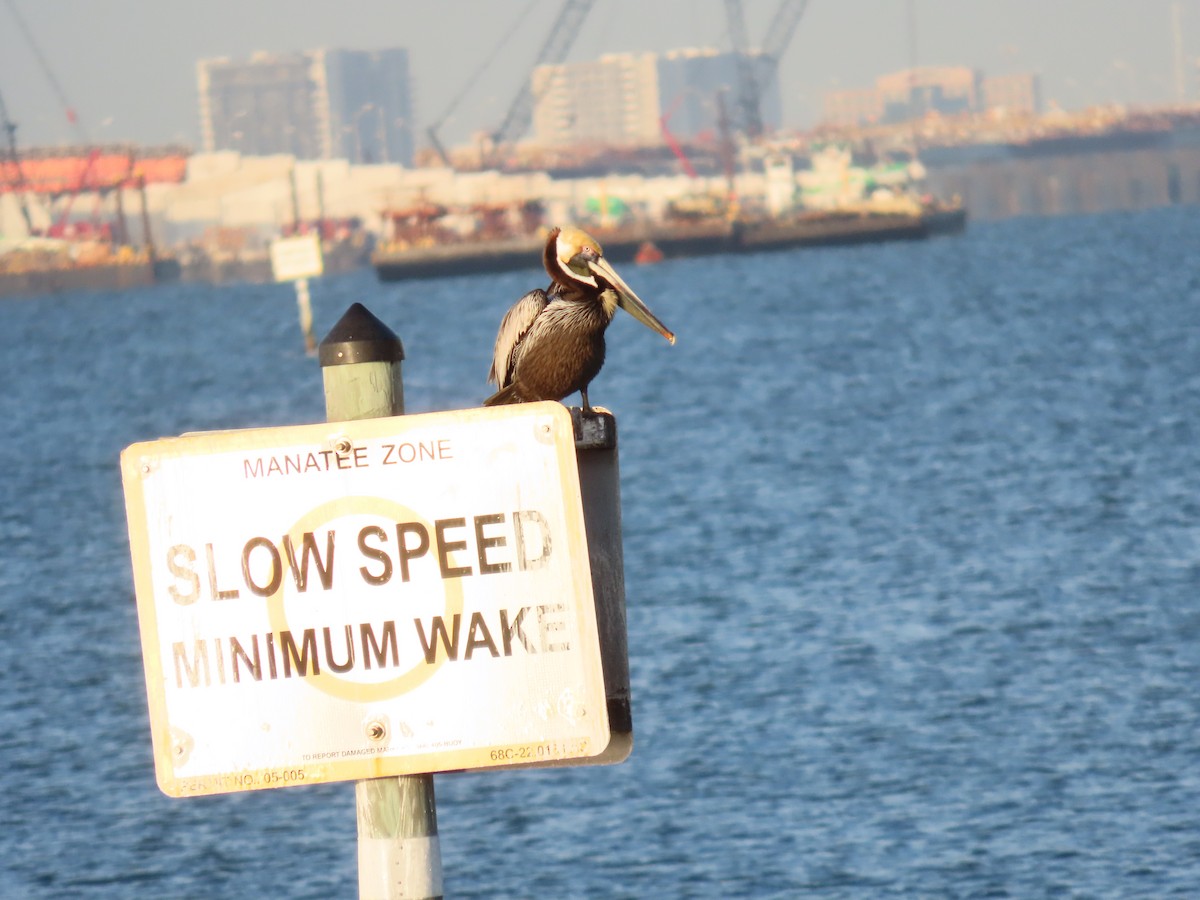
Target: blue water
912, 543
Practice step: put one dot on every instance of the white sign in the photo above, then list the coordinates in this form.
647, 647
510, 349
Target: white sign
296, 257
361, 599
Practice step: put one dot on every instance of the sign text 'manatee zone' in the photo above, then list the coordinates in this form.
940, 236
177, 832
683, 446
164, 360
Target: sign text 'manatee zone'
233, 659
500, 543
324, 459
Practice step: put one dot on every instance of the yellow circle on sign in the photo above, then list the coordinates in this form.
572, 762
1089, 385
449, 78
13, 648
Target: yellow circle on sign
328, 682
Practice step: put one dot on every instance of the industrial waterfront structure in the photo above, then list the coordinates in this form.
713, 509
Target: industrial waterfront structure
316, 104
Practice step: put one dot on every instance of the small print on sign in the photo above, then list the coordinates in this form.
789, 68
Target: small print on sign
360, 599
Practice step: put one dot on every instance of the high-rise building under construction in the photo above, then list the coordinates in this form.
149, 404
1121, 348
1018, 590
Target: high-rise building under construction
627, 99
316, 104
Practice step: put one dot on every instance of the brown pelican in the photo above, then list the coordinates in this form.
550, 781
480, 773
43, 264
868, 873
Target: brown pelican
551, 343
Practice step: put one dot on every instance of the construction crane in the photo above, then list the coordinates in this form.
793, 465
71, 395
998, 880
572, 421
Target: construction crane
563, 33
432, 130
747, 79
755, 73
59, 227
18, 180
68, 109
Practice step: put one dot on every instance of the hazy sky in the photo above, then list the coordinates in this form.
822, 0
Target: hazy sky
128, 66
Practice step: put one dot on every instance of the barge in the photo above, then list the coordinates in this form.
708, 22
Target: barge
400, 261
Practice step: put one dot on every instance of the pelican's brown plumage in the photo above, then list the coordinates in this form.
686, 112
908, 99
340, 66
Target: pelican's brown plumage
551, 342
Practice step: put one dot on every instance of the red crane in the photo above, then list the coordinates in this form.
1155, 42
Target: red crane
62, 222
674, 144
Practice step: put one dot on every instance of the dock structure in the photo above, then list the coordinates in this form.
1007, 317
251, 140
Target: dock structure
214, 214
1074, 183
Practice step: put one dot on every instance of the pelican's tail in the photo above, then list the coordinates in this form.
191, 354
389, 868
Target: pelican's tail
504, 395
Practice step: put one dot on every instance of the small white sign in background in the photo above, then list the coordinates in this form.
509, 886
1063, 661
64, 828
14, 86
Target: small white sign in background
362, 599
296, 257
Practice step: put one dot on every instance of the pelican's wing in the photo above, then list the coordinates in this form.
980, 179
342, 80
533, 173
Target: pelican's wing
512, 329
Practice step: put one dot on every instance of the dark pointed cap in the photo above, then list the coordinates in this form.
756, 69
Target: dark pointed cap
359, 337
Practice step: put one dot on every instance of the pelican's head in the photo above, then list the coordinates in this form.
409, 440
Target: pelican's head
581, 259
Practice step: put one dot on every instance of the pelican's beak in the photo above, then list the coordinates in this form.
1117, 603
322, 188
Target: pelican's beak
628, 300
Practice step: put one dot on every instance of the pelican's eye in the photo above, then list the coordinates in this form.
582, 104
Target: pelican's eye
579, 262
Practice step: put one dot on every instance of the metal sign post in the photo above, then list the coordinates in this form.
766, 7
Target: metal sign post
399, 855
381, 597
